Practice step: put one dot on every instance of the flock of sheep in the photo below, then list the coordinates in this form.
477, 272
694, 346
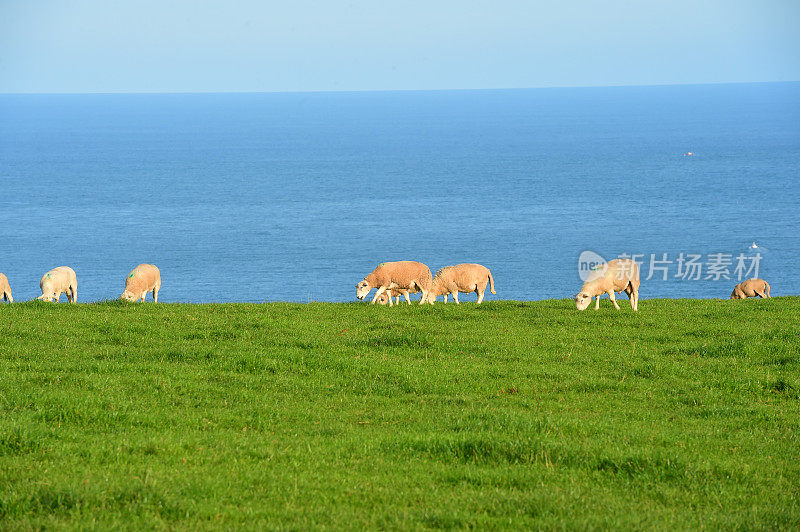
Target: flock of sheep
140, 281
395, 279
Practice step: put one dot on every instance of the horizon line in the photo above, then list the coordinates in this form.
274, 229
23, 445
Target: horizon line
344, 91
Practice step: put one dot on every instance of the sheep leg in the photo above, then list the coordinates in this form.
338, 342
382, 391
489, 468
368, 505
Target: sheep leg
399, 293
480, 295
445, 297
631, 296
155, 294
408, 299
761, 294
425, 293
613, 299
597, 302
455, 297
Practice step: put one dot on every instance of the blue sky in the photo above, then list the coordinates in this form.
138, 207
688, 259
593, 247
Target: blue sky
300, 45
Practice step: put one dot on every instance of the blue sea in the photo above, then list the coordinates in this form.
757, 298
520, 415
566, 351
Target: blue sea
297, 196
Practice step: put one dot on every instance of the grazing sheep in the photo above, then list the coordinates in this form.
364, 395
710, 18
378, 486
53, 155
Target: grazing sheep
384, 297
466, 278
751, 288
5, 288
61, 280
143, 279
402, 275
618, 275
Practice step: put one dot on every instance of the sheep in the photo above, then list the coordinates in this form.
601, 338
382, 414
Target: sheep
751, 288
61, 280
617, 275
401, 275
466, 278
384, 297
5, 288
143, 279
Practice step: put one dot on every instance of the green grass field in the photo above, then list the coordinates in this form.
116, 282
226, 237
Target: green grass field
507, 415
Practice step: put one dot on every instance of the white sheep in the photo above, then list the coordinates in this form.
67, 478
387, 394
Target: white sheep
5, 288
401, 275
617, 275
464, 278
142, 279
61, 280
751, 288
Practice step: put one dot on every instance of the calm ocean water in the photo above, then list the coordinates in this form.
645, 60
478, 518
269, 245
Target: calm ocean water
254, 197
